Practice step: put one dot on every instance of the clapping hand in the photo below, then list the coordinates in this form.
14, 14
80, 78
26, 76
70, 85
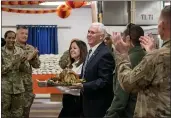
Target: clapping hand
18, 59
33, 55
121, 46
147, 42
23, 58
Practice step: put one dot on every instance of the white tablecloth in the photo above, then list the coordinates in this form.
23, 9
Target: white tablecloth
66, 90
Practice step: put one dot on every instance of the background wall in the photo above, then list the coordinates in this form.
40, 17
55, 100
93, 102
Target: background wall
147, 29
79, 22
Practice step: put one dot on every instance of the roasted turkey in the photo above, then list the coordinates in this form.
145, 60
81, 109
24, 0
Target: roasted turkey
66, 77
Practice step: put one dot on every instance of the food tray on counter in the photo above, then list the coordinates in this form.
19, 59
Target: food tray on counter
45, 84
62, 87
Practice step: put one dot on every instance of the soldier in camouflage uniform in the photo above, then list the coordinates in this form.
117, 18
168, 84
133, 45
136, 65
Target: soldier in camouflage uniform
33, 58
123, 104
13, 90
150, 78
64, 60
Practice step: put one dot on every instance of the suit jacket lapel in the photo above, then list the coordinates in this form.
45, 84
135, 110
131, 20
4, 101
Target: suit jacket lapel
95, 53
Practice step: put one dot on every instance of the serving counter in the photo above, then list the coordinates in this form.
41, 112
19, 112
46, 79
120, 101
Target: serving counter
55, 94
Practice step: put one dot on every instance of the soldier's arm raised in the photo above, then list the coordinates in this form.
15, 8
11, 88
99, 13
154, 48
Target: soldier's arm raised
24, 63
33, 57
134, 80
35, 62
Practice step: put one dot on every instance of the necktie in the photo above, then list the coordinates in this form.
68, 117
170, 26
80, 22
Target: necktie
86, 61
89, 52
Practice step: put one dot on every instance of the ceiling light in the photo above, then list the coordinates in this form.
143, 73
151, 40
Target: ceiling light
166, 3
52, 3
57, 3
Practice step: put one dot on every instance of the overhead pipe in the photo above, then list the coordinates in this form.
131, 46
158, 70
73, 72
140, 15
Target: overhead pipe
14, 26
133, 11
129, 11
94, 11
100, 11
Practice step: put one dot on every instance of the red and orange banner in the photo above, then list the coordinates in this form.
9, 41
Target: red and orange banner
62, 12
21, 2
28, 11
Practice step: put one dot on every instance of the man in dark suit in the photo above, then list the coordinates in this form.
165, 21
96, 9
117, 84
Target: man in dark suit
97, 70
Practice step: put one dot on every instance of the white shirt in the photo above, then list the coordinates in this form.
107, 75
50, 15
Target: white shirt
94, 49
77, 69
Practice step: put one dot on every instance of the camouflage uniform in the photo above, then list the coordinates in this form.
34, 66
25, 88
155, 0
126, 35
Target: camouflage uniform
150, 79
12, 84
64, 60
27, 78
123, 104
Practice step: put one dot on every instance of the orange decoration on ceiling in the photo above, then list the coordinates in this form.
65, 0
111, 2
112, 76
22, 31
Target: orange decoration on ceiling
63, 11
75, 4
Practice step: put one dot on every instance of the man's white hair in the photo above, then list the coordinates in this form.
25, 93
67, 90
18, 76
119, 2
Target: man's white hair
101, 27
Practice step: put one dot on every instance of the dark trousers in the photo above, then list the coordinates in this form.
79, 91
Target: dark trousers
72, 107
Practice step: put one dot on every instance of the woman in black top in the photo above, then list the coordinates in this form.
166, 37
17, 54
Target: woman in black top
72, 105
